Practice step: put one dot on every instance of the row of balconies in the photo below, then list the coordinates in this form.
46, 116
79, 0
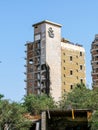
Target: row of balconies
36, 76
94, 62
37, 84
35, 68
33, 54
31, 45
94, 52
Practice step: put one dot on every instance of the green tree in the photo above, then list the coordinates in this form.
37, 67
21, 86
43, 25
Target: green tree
35, 104
11, 116
79, 97
82, 97
94, 123
1, 96
94, 100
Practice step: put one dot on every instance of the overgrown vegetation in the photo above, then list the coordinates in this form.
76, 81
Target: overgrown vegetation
34, 104
81, 97
11, 116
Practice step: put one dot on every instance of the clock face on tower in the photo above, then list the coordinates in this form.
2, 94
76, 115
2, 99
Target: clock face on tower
50, 32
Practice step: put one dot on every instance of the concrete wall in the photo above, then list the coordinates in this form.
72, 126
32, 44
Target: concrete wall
53, 59
70, 50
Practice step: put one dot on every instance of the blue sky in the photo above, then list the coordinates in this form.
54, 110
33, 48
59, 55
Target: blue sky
79, 19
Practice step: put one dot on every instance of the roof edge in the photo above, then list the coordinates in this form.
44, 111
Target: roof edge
47, 21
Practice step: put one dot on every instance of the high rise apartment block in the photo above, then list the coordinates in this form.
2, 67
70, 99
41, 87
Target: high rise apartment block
94, 62
53, 65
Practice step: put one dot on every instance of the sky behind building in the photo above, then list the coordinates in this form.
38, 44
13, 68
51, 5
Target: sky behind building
79, 20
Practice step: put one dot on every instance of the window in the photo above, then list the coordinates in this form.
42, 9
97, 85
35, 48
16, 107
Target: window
36, 27
63, 53
77, 77
80, 53
64, 68
81, 80
30, 61
64, 90
77, 70
96, 70
81, 67
70, 58
71, 72
71, 86
64, 61
64, 75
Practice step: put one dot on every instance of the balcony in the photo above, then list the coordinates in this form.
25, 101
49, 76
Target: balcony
94, 73
95, 53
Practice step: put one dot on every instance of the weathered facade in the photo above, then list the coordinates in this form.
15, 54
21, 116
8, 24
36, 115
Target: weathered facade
94, 62
73, 65
53, 65
44, 60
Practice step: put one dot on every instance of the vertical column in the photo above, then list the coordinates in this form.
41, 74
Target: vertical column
43, 121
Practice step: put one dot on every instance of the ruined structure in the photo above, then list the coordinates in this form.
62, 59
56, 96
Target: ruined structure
94, 62
53, 65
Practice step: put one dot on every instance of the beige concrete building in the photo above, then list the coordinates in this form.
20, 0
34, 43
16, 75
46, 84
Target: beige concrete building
53, 64
73, 65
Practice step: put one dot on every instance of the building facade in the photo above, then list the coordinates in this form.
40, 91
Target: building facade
73, 65
94, 62
53, 65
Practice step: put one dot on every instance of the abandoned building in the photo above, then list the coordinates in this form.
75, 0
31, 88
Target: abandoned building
77, 119
94, 62
53, 64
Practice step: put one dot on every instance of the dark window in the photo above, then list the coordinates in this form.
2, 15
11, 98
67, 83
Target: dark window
64, 75
30, 61
77, 70
70, 58
64, 68
81, 67
71, 86
71, 72
80, 53
96, 56
81, 80
64, 61
96, 70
